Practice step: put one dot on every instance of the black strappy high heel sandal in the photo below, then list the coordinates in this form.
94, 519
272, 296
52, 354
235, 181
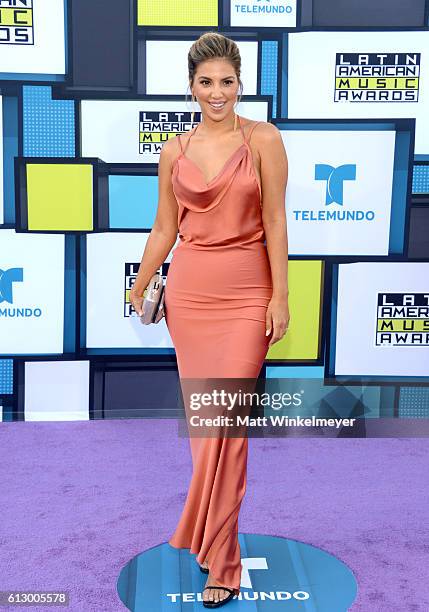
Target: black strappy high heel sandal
222, 602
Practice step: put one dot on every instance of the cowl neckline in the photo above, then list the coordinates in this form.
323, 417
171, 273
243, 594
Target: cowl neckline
190, 187
232, 158
219, 174
228, 160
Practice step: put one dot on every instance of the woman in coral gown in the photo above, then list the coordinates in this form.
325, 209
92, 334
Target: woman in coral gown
226, 296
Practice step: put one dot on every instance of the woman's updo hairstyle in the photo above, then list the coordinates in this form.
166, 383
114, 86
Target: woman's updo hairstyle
213, 45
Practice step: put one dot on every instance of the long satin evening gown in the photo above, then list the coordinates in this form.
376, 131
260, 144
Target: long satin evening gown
216, 296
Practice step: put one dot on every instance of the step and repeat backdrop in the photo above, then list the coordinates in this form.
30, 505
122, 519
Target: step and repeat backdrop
90, 92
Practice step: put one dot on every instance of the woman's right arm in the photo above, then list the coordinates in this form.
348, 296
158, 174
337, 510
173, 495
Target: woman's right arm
164, 231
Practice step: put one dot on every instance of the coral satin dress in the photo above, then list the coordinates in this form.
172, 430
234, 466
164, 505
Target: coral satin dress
216, 296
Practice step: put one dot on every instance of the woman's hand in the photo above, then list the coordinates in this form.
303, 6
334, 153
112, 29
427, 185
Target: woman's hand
136, 302
277, 318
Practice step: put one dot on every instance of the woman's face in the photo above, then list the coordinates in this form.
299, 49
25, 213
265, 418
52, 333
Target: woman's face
215, 81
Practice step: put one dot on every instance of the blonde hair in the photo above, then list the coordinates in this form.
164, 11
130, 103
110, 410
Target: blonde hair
213, 45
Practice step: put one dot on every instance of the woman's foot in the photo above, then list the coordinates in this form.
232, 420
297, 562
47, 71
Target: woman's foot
214, 595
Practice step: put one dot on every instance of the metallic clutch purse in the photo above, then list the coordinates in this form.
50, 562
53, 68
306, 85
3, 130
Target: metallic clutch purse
153, 303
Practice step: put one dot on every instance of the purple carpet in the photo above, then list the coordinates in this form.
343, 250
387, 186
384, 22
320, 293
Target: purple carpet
79, 499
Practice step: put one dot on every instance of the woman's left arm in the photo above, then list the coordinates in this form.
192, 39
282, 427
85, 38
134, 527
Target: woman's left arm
274, 176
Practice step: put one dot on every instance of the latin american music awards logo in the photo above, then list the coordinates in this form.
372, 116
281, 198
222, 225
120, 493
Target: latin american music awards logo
334, 177
277, 574
402, 319
16, 22
155, 128
130, 275
377, 77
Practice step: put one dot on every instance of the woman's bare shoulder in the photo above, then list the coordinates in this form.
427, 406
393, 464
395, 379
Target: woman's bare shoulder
261, 132
171, 149
263, 129
265, 137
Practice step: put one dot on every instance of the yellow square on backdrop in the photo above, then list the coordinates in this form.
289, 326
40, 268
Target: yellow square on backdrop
173, 13
301, 341
60, 196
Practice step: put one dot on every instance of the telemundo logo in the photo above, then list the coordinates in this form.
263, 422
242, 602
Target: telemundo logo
267, 6
277, 574
7, 279
334, 194
335, 178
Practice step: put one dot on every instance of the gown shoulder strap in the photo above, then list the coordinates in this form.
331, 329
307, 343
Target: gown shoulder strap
180, 143
247, 140
251, 130
191, 133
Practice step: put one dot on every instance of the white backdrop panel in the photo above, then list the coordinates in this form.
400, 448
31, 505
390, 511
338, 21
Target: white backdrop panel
312, 72
107, 326
167, 66
110, 128
47, 53
32, 317
368, 196
357, 352
56, 390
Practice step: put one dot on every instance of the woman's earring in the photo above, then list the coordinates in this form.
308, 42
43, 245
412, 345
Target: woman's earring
235, 118
193, 112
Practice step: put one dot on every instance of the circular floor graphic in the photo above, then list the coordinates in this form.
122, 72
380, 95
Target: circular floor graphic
277, 574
